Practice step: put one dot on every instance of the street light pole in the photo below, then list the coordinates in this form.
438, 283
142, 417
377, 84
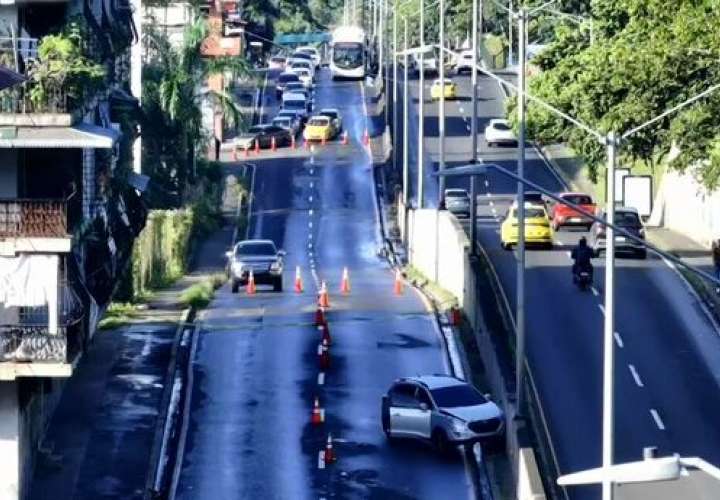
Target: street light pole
510, 33
609, 326
421, 114
441, 103
473, 131
520, 313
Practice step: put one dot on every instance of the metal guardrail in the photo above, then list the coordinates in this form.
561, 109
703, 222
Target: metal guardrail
33, 218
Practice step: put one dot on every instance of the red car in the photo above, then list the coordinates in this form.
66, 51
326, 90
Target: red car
562, 215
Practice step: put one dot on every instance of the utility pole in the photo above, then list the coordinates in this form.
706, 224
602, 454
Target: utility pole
406, 97
609, 326
473, 131
387, 62
136, 78
520, 313
381, 40
421, 114
395, 86
510, 33
441, 114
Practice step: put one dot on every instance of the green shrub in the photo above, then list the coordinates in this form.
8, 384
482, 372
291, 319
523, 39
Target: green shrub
198, 295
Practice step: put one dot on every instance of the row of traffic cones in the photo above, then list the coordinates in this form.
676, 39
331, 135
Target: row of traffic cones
344, 140
323, 295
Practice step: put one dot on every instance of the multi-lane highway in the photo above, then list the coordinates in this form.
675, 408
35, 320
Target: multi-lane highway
255, 369
668, 352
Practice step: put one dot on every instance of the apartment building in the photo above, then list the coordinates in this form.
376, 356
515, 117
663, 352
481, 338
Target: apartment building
69, 202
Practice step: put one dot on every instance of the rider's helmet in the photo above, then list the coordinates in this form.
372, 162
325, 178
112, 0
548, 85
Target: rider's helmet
582, 242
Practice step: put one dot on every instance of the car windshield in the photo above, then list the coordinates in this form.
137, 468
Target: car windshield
348, 55
252, 249
303, 72
277, 59
578, 199
330, 114
287, 114
534, 212
282, 122
456, 396
256, 130
456, 194
301, 55
296, 86
626, 219
501, 126
294, 104
319, 122
285, 78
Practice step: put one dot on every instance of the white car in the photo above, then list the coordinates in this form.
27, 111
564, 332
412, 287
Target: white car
277, 62
312, 52
305, 76
499, 131
429, 63
295, 63
464, 62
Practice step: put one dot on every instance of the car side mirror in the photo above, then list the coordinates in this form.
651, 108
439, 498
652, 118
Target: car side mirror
424, 406
282, 253
228, 254
488, 396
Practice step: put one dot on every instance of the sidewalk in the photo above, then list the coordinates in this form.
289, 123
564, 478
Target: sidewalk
99, 441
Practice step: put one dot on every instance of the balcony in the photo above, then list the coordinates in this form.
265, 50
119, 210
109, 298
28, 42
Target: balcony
24, 218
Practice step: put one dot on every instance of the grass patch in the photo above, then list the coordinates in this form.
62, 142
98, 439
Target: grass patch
442, 297
198, 295
118, 314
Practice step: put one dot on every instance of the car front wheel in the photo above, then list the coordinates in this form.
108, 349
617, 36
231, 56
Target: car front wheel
278, 285
235, 286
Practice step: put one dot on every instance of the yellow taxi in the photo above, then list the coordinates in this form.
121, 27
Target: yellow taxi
319, 128
537, 227
437, 87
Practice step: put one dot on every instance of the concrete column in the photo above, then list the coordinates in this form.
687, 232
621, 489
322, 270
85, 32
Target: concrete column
9, 441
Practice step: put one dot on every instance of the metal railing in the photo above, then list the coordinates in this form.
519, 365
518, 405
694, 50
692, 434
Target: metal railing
18, 100
32, 343
33, 218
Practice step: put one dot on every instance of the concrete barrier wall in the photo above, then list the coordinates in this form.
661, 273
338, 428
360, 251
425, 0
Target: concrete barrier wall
684, 205
529, 484
438, 248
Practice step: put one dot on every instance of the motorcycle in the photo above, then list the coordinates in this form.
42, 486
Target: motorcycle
583, 279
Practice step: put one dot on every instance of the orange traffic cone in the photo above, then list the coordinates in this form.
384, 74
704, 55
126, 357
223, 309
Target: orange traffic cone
323, 299
324, 333
345, 283
324, 355
298, 280
398, 283
257, 146
345, 139
273, 144
366, 138
319, 316
329, 455
250, 288
292, 142
316, 416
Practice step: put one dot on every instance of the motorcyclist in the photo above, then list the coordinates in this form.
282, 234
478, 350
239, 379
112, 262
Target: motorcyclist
582, 256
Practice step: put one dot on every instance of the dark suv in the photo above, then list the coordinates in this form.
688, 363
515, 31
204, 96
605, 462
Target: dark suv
627, 219
259, 256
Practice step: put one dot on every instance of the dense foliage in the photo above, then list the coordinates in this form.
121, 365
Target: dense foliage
648, 56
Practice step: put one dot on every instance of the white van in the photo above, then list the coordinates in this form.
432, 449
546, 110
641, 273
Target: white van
297, 102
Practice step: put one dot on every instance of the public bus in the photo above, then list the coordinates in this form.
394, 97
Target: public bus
348, 51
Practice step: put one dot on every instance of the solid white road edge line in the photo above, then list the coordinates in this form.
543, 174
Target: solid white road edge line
658, 420
594, 291
602, 308
321, 378
636, 376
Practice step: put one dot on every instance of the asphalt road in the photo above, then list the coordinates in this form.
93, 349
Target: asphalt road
667, 351
255, 371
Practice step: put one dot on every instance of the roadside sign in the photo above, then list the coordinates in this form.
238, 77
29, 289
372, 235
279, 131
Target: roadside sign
638, 192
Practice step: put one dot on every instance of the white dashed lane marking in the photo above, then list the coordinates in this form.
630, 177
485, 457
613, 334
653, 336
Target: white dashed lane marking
657, 419
618, 340
602, 309
487, 183
635, 376
594, 291
321, 378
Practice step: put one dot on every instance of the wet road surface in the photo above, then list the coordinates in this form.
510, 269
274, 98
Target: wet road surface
256, 373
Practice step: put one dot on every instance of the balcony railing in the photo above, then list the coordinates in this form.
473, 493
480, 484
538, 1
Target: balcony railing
25, 218
17, 100
25, 343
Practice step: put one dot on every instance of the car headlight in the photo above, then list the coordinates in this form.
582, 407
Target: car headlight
642, 233
237, 267
275, 267
458, 426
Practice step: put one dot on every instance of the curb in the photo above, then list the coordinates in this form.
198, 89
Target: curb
167, 425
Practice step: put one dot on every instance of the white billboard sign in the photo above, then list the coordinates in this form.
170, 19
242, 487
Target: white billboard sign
638, 191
